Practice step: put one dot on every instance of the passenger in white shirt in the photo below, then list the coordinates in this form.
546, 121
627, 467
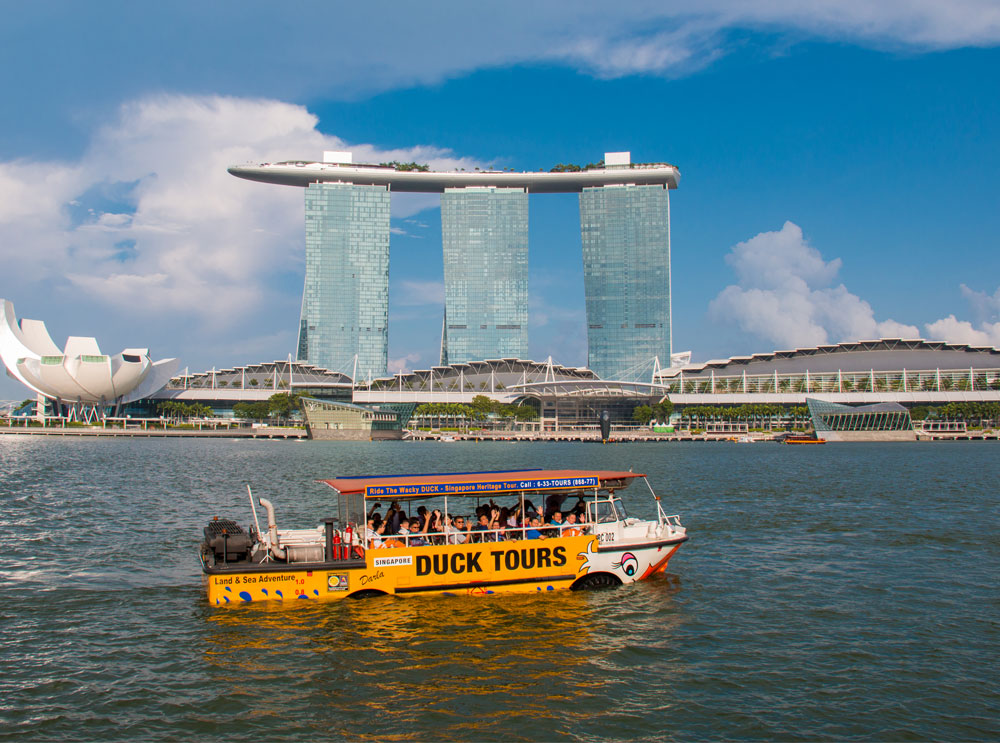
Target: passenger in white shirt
374, 536
456, 530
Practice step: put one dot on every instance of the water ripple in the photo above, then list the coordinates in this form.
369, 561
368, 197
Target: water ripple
841, 592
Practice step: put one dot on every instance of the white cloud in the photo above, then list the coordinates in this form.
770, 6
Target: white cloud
677, 37
207, 246
417, 293
962, 331
402, 364
784, 295
985, 308
412, 44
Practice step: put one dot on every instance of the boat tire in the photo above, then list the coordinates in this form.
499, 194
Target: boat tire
595, 581
367, 594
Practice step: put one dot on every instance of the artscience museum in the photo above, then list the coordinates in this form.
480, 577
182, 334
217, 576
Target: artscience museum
81, 382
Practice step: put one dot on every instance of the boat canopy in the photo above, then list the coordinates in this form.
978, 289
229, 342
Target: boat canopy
409, 487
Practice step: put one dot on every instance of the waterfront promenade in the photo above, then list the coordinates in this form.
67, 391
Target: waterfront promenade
276, 432
650, 436
138, 432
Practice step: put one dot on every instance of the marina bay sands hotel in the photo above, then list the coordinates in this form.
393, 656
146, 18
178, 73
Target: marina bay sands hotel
625, 231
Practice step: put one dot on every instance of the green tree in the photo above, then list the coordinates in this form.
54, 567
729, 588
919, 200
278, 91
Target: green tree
663, 410
481, 407
642, 414
525, 413
283, 404
252, 410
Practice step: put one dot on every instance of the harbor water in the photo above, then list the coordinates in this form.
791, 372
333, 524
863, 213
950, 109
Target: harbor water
846, 591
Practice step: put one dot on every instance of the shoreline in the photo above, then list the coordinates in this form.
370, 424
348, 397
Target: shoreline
256, 433
508, 436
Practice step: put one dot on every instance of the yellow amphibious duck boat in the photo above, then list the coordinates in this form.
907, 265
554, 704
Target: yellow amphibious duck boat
341, 557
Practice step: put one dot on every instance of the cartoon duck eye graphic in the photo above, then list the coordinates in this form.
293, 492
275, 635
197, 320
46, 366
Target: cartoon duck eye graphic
629, 564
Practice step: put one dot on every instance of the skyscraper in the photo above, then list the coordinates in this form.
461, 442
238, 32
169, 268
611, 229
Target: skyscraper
625, 223
485, 241
345, 303
625, 230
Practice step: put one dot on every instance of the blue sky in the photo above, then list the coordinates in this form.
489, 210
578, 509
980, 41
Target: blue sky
838, 162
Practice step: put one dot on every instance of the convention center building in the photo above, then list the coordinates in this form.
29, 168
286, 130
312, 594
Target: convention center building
905, 371
887, 375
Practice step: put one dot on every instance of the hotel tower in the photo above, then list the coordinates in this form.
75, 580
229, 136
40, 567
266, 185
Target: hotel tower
625, 235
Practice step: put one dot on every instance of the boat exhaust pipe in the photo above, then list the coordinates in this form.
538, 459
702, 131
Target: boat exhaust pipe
278, 553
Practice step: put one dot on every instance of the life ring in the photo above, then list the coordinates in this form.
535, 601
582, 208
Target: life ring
571, 533
392, 543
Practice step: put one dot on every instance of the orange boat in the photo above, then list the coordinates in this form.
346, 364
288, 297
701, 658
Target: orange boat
802, 439
341, 558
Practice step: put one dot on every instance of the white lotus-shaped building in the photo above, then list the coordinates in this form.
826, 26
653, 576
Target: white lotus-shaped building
80, 375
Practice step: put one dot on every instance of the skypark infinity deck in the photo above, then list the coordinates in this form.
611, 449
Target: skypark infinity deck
301, 173
342, 558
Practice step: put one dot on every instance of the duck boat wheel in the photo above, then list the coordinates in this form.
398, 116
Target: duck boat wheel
521, 547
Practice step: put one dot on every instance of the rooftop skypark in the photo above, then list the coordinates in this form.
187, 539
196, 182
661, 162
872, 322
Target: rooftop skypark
417, 177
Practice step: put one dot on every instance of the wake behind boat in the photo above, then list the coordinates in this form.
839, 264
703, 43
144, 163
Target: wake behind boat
595, 544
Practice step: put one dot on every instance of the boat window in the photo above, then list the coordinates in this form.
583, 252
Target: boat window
620, 507
605, 512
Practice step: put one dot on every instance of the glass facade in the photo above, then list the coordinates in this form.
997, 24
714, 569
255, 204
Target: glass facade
625, 232
831, 416
345, 303
485, 237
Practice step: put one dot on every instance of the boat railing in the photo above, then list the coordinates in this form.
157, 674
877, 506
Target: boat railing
477, 536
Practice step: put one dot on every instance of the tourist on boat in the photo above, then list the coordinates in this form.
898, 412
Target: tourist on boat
374, 510
386, 540
396, 516
486, 524
552, 504
455, 530
534, 529
436, 531
572, 528
391, 520
403, 531
375, 536
418, 536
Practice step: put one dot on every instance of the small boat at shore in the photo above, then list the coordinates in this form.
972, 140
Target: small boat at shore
802, 439
342, 558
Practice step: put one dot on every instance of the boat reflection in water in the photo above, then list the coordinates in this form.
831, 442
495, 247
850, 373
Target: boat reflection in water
462, 667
